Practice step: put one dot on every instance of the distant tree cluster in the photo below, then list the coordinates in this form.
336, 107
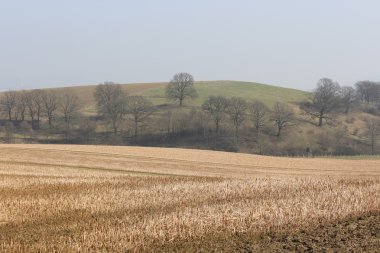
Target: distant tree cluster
329, 98
114, 105
368, 92
26, 110
237, 111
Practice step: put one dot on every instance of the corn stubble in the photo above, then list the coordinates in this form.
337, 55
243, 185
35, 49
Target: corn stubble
85, 199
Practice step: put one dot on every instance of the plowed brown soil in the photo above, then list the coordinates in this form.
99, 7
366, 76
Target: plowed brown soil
357, 234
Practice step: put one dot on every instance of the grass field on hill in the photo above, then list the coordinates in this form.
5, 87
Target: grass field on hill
268, 94
251, 91
155, 92
99, 198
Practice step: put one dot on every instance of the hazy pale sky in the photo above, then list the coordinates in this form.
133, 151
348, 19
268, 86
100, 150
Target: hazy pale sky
293, 43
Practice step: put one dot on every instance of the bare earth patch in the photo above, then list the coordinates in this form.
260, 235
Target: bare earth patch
358, 234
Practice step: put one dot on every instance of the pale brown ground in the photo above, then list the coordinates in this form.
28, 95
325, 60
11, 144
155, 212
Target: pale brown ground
100, 198
184, 161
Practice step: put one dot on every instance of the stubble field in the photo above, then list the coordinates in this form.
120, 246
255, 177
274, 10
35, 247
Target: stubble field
118, 199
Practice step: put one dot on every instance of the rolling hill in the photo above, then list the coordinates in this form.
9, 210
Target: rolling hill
304, 134
268, 94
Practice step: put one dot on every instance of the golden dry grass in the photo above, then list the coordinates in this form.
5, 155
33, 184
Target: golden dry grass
97, 198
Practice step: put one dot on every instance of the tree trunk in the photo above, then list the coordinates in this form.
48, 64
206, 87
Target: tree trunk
279, 132
237, 136
320, 120
257, 134
114, 127
33, 122
136, 128
67, 133
347, 110
38, 122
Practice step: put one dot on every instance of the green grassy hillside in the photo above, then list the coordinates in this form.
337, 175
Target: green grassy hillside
266, 93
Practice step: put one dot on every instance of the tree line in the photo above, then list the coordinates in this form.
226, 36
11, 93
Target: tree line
62, 114
36, 104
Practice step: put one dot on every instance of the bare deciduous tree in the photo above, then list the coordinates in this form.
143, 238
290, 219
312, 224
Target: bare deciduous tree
51, 102
34, 104
140, 108
216, 107
236, 109
180, 88
111, 101
8, 103
348, 96
282, 116
21, 105
325, 99
31, 108
258, 112
372, 132
69, 108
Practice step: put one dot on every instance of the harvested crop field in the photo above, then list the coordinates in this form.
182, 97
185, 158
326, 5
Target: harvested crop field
117, 199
